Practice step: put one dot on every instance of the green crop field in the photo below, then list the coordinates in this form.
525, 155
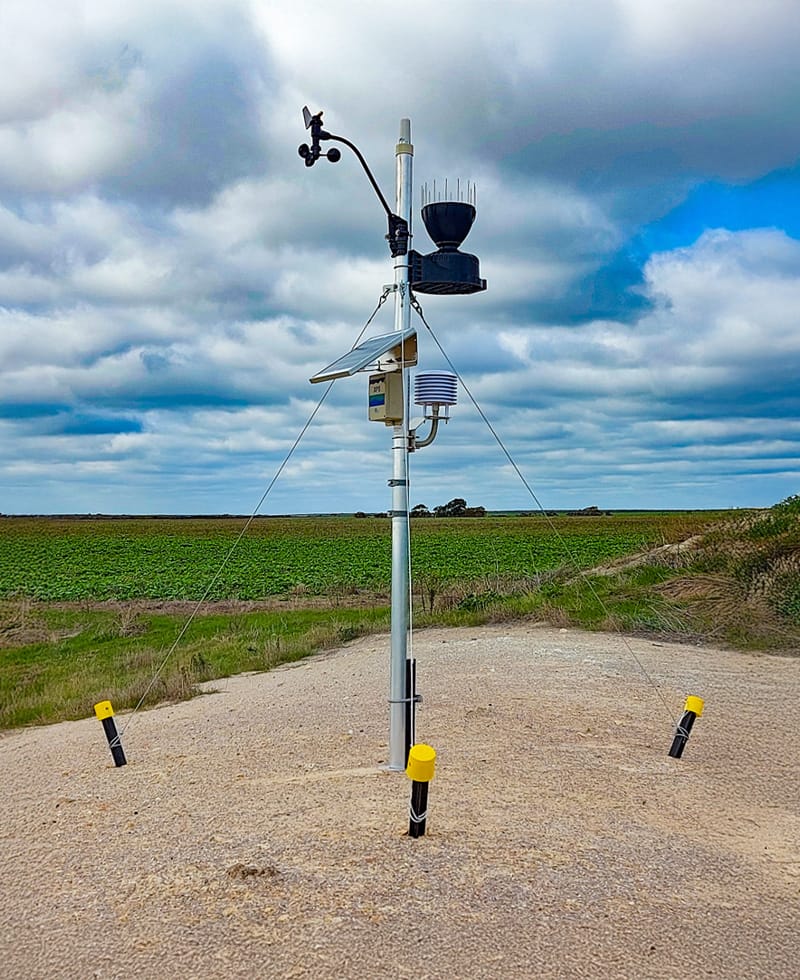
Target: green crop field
92, 608
58, 559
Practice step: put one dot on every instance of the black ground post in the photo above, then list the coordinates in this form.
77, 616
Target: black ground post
421, 762
418, 810
691, 710
105, 713
411, 703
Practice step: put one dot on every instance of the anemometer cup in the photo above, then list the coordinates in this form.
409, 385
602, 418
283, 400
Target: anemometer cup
311, 154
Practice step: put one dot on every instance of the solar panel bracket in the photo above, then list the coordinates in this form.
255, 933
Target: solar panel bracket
389, 352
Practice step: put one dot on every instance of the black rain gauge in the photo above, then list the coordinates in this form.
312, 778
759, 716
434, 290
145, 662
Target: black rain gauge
447, 271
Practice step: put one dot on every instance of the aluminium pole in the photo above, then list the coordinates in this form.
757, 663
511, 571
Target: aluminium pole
404, 154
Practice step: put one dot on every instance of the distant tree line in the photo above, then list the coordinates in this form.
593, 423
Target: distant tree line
457, 507
454, 508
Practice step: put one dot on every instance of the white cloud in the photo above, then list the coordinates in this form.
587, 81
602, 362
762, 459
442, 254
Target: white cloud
70, 147
734, 296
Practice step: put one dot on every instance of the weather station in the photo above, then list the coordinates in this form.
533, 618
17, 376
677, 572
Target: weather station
387, 359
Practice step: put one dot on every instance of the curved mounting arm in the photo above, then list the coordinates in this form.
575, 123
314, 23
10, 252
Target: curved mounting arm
340, 139
421, 443
398, 227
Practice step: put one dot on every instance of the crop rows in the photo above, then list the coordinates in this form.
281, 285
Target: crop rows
61, 560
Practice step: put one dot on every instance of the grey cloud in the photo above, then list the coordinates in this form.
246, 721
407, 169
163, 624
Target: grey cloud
162, 104
630, 101
200, 132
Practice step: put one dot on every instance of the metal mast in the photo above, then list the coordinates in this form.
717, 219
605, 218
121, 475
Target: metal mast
447, 271
399, 483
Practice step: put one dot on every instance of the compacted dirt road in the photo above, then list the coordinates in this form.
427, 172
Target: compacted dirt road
254, 834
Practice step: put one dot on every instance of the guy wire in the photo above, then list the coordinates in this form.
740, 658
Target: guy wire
416, 306
198, 606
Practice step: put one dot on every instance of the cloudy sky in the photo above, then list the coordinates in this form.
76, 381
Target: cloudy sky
171, 274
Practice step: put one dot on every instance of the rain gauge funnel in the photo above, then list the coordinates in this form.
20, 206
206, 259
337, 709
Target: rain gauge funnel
446, 272
448, 223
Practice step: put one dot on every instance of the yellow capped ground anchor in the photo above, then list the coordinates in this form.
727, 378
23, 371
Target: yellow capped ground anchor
105, 713
691, 710
421, 763
695, 704
103, 710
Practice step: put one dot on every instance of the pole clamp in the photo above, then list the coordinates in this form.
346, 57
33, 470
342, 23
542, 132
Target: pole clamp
397, 513
398, 483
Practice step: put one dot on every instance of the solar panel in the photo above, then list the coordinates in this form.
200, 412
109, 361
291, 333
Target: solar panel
365, 354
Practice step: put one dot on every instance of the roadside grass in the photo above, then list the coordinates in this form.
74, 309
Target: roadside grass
82, 657
736, 583
626, 602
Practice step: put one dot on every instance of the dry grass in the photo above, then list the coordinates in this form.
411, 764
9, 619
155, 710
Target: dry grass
737, 583
21, 624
